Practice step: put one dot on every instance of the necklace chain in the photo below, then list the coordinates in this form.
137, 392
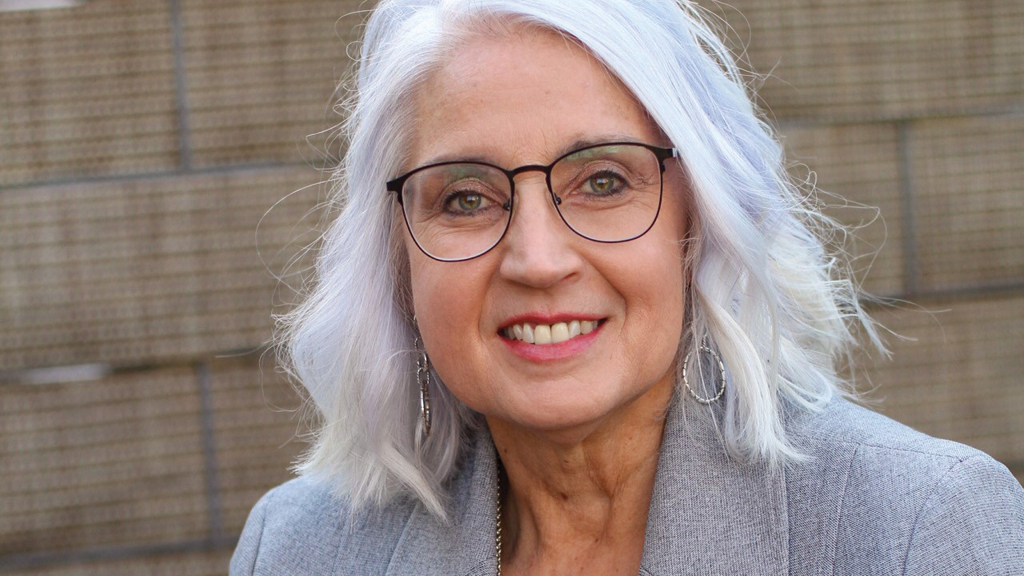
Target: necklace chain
497, 524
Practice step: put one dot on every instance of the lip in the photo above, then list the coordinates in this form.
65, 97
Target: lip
551, 352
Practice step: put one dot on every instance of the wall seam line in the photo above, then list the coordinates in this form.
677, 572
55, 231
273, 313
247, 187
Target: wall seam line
911, 266
213, 500
180, 86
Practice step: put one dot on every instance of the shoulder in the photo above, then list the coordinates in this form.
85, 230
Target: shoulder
880, 493
882, 453
872, 442
301, 527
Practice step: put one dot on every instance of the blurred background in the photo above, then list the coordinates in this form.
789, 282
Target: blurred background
157, 176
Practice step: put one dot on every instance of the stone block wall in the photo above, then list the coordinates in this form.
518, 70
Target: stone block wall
160, 171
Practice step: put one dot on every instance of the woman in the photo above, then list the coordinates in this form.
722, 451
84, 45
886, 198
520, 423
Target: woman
574, 319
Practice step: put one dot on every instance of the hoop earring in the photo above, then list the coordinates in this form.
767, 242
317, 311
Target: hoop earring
721, 374
423, 377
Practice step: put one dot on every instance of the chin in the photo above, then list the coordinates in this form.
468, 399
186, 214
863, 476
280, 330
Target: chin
574, 413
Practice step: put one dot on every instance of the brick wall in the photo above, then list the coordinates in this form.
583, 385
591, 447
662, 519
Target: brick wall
916, 108
144, 147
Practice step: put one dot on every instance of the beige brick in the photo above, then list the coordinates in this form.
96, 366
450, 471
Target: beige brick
87, 91
186, 563
956, 371
112, 462
969, 202
860, 164
147, 270
890, 58
262, 76
258, 434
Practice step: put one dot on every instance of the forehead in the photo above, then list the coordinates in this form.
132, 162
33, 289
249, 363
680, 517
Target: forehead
521, 98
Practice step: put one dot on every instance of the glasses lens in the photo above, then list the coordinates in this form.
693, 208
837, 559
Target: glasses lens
457, 211
608, 193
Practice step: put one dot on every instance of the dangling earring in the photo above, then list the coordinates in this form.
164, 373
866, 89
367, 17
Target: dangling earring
423, 377
704, 347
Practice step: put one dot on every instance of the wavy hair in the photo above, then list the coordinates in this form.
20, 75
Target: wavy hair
780, 310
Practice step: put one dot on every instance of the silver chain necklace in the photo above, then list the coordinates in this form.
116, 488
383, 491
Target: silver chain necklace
497, 523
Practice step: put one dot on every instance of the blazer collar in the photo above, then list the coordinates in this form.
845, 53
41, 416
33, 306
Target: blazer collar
709, 514
466, 544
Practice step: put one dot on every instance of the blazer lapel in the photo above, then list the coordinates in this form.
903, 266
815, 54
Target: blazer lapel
710, 514
466, 545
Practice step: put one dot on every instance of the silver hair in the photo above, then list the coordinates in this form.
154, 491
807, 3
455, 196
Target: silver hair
764, 290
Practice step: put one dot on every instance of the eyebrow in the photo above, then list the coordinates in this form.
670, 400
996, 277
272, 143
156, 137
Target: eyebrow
578, 143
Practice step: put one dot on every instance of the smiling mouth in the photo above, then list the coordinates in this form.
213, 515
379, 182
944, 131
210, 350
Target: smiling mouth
542, 334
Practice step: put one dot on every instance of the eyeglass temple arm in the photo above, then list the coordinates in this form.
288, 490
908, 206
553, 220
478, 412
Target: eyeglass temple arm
664, 154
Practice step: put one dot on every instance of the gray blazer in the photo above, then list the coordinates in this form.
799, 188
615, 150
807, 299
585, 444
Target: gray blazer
874, 498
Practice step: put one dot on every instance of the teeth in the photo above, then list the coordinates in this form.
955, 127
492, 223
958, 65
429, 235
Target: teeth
559, 332
549, 333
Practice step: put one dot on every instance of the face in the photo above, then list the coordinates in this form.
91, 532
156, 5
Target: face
524, 100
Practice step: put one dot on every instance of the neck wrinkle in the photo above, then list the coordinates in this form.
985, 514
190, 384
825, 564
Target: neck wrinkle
593, 495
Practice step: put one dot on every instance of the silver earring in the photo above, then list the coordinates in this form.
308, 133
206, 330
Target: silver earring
423, 377
721, 374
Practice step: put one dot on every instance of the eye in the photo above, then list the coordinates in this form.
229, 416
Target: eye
604, 183
465, 202
469, 201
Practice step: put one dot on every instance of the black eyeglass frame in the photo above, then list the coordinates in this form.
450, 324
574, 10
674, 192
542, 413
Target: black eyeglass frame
661, 153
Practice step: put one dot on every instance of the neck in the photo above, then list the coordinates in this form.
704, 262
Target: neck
578, 499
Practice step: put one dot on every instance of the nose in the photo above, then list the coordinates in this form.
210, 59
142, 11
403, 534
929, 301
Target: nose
539, 249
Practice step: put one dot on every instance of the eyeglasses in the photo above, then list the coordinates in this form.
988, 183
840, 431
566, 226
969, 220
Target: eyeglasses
606, 193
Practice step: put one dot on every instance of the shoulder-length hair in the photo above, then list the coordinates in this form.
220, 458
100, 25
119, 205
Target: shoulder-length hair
777, 306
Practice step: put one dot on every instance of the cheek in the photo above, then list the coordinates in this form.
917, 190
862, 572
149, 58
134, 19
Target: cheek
430, 301
663, 294
448, 300
657, 283
436, 318
662, 323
